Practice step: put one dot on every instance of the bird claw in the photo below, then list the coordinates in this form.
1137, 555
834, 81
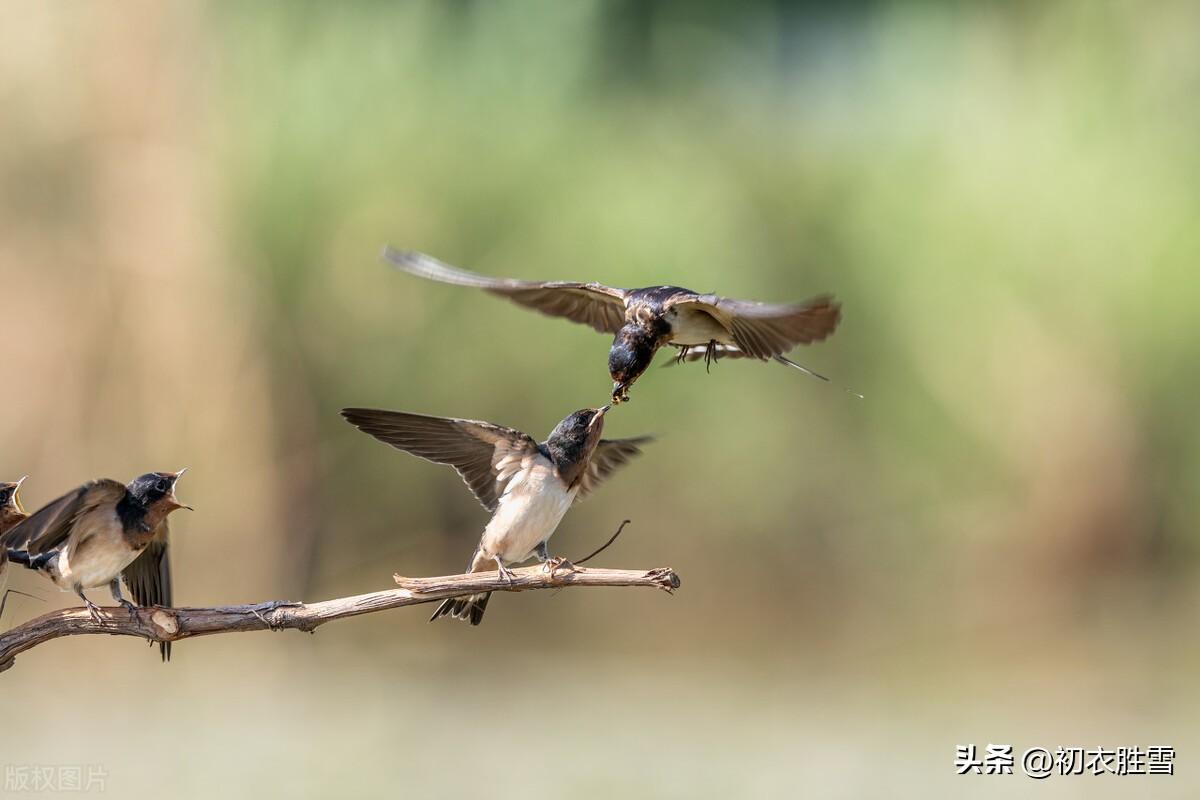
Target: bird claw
505, 573
131, 608
94, 612
269, 607
553, 565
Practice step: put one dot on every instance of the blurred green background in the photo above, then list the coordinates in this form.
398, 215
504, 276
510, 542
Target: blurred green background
998, 545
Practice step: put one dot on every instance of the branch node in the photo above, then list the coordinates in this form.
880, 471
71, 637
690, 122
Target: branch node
666, 579
165, 622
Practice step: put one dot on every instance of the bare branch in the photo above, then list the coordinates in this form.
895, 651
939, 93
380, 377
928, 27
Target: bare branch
173, 624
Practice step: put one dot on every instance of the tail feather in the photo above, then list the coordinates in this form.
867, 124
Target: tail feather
469, 609
803, 369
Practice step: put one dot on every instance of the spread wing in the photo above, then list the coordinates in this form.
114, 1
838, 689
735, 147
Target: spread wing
610, 454
486, 456
762, 330
149, 578
49, 526
594, 304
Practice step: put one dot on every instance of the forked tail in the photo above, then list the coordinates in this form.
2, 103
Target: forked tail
469, 609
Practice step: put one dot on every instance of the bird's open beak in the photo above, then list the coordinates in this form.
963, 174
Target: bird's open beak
599, 415
174, 500
17, 494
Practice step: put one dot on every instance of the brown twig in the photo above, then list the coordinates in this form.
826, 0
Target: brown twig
7, 592
173, 624
604, 546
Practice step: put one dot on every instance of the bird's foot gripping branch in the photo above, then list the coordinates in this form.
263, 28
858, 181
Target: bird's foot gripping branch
163, 625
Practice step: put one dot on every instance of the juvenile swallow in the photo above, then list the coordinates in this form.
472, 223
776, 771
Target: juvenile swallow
103, 531
528, 486
643, 320
11, 513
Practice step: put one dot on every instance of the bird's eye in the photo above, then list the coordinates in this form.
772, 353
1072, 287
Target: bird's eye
162, 486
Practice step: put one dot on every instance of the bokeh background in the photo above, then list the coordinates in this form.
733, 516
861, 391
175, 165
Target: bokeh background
997, 545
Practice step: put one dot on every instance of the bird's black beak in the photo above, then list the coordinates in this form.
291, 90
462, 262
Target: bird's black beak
174, 500
620, 393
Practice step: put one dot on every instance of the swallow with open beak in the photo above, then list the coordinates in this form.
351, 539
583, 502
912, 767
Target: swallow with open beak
527, 485
11, 513
643, 320
102, 532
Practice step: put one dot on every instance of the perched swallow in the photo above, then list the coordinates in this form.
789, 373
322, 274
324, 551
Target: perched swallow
11, 513
101, 532
644, 320
528, 486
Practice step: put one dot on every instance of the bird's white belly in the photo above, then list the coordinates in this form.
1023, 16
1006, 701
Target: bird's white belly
99, 555
527, 515
690, 326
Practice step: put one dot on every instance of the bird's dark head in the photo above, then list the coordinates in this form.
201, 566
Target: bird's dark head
572, 441
155, 492
632, 351
11, 511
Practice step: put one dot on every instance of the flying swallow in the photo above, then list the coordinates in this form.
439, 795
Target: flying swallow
528, 486
643, 320
11, 513
102, 532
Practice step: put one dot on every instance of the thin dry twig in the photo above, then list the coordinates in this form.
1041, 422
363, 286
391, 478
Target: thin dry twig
604, 546
173, 624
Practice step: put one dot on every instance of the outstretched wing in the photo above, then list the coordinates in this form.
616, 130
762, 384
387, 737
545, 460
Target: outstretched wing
485, 455
602, 307
610, 454
762, 330
149, 578
49, 526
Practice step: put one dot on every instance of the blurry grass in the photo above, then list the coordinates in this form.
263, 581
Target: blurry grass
1002, 195
963, 164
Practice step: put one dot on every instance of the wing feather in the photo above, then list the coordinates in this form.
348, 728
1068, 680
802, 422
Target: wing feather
610, 455
149, 578
49, 526
763, 330
593, 304
487, 456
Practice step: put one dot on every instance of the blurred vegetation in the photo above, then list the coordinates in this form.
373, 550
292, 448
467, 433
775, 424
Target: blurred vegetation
1003, 195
